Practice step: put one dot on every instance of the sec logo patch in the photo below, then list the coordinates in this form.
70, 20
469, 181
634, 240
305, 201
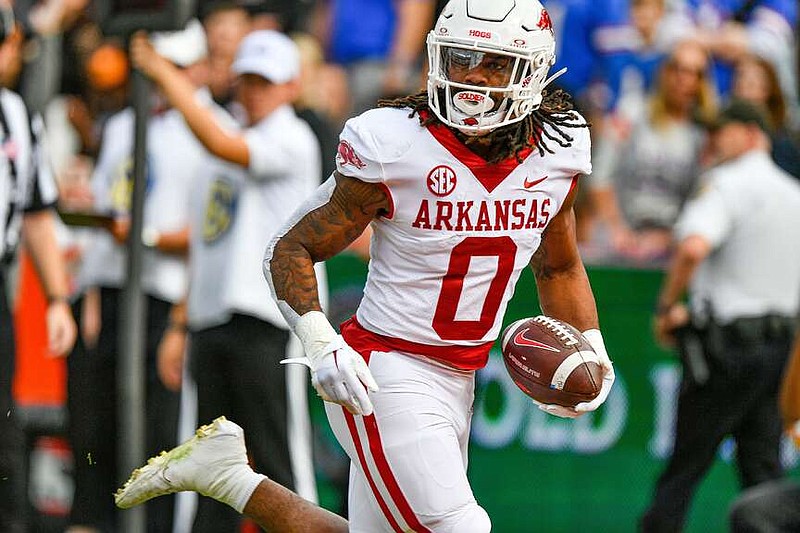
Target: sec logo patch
441, 180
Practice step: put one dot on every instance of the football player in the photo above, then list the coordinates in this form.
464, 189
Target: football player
464, 185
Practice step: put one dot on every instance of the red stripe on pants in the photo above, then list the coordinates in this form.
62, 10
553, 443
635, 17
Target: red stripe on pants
351, 425
385, 471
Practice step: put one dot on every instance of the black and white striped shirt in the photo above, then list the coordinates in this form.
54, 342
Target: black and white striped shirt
26, 179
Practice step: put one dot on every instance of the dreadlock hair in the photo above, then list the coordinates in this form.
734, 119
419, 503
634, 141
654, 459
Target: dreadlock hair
555, 111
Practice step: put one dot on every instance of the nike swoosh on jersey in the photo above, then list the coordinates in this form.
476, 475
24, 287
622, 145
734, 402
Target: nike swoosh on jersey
528, 184
521, 340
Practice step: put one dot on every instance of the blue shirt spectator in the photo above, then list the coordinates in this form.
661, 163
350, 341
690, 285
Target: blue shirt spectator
378, 42
732, 28
602, 46
573, 23
361, 29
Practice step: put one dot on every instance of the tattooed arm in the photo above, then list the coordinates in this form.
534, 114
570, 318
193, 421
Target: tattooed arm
329, 221
319, 235
564, 290
565, 293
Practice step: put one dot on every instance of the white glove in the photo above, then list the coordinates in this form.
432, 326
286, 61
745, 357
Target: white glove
596, 341
338, 373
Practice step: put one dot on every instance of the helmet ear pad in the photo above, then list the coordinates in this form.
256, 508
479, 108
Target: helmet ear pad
518, 30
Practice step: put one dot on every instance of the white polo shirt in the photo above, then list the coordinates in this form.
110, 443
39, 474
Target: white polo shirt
750, 213
29, 185
235, 214
174, 159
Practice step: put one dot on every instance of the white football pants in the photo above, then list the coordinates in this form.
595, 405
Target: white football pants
408, 468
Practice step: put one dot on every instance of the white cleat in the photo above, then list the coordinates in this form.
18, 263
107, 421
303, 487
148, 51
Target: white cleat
199, 464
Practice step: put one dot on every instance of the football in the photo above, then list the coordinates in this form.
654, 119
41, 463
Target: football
550, 361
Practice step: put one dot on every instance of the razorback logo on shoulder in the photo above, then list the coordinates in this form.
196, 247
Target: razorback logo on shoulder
544, 21
346, 155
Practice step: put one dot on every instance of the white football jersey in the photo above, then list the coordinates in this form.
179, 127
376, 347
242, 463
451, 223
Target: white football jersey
445, 260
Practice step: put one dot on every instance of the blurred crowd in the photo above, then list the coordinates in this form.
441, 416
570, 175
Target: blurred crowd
649, 74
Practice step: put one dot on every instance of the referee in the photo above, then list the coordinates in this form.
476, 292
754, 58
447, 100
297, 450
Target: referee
738, 255
27, 196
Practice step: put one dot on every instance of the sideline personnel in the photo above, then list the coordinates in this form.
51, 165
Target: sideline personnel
174, 158
258, 177
737, 251
27, 195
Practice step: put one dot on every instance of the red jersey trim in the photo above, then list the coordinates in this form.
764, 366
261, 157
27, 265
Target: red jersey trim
460, 357
573, 185
488, 174
390, 214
